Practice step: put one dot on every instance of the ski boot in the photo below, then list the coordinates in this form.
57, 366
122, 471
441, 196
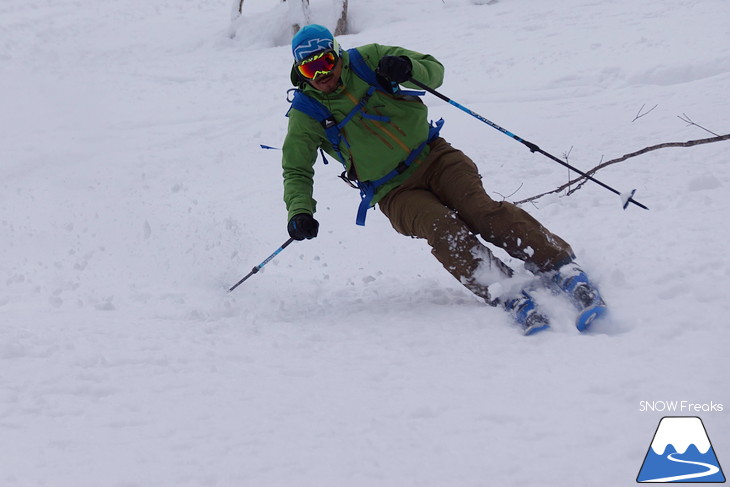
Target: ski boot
525, 312
571, 280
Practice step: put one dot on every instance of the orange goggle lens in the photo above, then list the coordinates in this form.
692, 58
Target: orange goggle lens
320, 64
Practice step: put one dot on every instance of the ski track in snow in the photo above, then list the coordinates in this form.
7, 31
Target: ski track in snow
133, 193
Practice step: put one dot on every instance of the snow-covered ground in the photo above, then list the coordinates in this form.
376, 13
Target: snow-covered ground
133, 193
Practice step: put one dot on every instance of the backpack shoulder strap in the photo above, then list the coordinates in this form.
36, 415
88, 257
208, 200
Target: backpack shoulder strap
309, 106
320, 113
360, 67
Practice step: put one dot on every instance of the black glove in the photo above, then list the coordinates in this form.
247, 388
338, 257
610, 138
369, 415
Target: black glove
303, 226
394, 69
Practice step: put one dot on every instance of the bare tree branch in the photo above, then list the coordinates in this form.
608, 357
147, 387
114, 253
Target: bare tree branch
566, 156
504, 198
640, 114
690, 122
584, 180
665, 145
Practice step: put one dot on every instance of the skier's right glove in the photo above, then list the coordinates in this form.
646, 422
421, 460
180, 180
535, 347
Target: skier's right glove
303, 226
395, 68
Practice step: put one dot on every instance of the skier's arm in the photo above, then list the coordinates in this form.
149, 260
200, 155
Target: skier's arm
425, 68
299, 156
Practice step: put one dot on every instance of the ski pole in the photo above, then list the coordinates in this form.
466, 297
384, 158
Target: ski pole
626, 198
258, 267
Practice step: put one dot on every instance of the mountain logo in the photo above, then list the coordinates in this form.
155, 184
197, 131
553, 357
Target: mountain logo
681, 452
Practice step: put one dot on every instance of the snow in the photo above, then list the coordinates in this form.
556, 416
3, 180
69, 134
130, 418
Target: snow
133, 193
689, 430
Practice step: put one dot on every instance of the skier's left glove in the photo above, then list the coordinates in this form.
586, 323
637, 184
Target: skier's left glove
393, 69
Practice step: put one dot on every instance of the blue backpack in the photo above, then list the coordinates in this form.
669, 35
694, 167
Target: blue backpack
333, 129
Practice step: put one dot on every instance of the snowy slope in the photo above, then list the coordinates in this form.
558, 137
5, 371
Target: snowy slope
133, 193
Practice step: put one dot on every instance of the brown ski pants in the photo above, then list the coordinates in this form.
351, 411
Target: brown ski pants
445, 203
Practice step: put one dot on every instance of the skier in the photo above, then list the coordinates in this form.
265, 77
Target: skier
349, 104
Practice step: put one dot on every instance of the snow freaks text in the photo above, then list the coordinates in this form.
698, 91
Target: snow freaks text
680, 407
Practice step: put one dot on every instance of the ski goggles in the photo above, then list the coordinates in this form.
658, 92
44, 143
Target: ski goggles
322, 63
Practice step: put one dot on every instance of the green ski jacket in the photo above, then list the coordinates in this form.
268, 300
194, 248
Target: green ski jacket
373, 148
